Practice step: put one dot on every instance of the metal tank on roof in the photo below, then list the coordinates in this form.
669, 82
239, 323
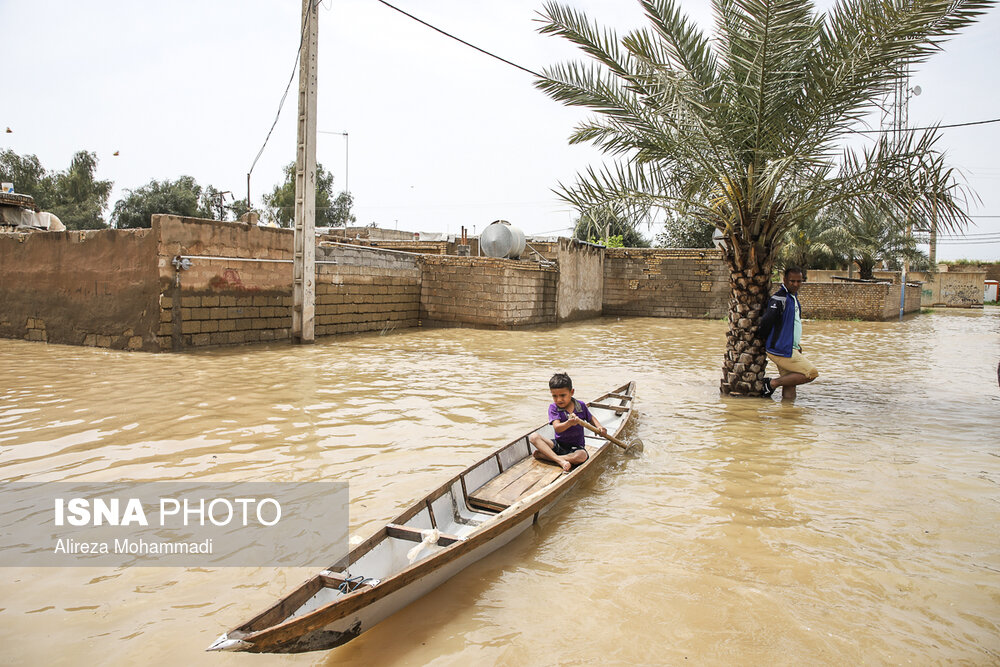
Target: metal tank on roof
502, 239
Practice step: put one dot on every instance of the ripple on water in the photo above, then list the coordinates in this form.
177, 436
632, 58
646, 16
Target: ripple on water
856, 525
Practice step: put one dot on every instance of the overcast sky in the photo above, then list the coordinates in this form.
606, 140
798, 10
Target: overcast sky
439, 135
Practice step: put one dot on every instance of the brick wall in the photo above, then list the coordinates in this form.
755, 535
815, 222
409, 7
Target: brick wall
486, 292
366, 290
237, 289
863, 301
222, 300
665, 282
121, 289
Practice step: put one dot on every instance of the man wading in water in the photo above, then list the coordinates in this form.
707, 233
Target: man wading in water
781, 331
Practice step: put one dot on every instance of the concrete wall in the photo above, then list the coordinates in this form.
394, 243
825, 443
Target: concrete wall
665, 282
961, 287
580, 292
486, 292
80, 288
863, 301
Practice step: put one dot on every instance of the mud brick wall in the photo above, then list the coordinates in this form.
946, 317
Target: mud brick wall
846, 301
665, 282
221, 300
95, 287
366, 290
486, 292
228, 302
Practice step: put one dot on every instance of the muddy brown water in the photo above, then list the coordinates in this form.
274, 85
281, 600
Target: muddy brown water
857, 525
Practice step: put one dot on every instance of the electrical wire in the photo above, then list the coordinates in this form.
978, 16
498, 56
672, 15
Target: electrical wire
295, 67
536, 74
458, 39
930, 127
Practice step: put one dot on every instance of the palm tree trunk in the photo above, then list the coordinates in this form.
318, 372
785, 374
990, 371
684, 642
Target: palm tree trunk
749, 289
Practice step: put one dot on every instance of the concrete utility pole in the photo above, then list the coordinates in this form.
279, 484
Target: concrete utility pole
933, 248
304, 272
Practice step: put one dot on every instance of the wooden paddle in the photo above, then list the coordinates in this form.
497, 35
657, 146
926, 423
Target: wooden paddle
608, 436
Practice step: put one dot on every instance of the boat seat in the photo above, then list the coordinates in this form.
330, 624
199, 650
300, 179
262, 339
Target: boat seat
524, 477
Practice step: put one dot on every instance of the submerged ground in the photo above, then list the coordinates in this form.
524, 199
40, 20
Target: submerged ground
857, 525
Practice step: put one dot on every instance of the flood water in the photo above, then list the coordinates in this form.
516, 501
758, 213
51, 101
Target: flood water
857, 525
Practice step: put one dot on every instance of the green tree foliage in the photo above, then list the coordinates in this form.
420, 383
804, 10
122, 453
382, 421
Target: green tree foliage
28, 176
341, 211
686, 231
747, 127
871, 235
330, 212
182, 197
239, 208
80, 200
73, 195
814, 243
602, 224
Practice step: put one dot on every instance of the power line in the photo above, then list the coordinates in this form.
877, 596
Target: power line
458, 39
281, 104
930, 127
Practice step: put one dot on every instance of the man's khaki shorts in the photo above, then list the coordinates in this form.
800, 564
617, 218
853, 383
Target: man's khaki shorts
797, 363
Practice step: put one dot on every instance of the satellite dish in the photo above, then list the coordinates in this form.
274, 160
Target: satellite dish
917, 90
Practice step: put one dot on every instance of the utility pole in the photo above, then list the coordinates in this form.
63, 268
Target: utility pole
304, 261
222, 203
933, 247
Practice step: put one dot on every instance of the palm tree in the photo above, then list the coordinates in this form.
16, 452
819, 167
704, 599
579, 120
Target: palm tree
747, 129
813, 243
869, 235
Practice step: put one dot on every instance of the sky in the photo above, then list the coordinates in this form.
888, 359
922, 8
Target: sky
439, 136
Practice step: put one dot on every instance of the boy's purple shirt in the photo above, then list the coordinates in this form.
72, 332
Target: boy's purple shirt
574, 435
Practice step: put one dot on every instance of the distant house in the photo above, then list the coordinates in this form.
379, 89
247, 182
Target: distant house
19, 213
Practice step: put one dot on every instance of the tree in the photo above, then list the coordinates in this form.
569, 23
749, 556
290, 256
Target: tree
182, 197
79, 199
341, 211
685, 231
28, 176
329, 212
602, 224
814, 243
74, 195
870, 235
746, 129
239, 208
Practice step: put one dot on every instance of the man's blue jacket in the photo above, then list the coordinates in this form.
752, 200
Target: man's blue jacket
777, 324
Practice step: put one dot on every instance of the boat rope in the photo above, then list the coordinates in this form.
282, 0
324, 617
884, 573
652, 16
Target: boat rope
430, 537
352, 584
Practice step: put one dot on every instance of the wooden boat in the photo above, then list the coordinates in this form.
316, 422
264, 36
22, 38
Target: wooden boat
470, 516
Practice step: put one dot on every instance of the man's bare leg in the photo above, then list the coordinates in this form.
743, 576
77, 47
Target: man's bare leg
788, 383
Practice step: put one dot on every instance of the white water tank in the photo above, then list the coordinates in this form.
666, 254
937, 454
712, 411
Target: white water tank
502, 239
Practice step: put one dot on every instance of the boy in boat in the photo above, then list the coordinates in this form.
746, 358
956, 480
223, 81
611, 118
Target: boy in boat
566, 415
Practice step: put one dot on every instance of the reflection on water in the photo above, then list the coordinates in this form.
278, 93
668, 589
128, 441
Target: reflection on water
856, 525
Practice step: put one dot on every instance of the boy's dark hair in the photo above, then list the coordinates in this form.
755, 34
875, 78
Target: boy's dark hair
560, 381
793, 269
